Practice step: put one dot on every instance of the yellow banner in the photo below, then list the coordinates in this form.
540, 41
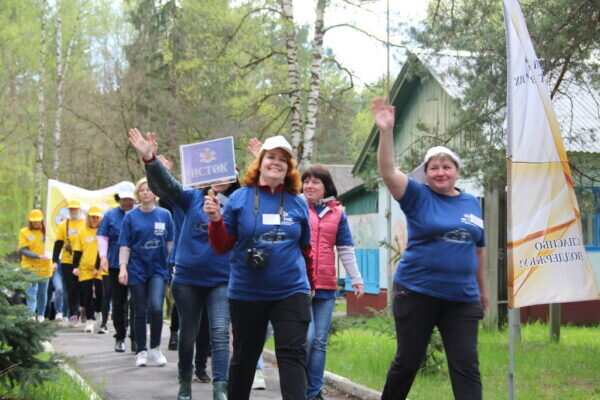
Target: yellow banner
547, 261
60, 193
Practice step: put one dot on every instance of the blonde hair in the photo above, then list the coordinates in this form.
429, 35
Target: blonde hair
138, 186
292, 182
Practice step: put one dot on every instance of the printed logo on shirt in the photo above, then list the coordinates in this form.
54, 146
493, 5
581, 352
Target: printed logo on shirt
272, 236
472, 220
152, 244
72, 232
456, 236
90, 239
159, 228
201, 226
287, 220
30, 237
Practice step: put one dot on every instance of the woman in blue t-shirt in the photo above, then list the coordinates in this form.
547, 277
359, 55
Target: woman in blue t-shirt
146, 239
201, 275
266, 226
440, 280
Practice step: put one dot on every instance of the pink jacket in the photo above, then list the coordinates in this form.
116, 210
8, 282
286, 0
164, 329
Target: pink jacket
324, 227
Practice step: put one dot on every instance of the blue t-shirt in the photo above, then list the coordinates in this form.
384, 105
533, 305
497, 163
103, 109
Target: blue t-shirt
196, 263
440, 259
111, 228
178, 217
147, 234
285, 272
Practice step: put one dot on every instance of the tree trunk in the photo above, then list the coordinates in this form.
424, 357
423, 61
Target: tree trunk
62, 66
315, 85
293, 75
39, 140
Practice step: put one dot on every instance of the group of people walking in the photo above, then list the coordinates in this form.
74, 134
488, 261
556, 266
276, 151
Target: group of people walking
260, 253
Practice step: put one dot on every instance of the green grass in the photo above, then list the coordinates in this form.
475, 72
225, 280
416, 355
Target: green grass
61, 388
340, 304
543, 370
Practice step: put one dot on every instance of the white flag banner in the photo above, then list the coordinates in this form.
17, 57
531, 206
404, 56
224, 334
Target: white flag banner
547, 261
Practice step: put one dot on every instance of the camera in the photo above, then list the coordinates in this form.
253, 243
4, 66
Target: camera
257, 258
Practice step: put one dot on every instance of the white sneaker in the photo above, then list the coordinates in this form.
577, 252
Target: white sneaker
103, 329
141, 359
259, 380
40, 318
89, 327
157, 357
58, 317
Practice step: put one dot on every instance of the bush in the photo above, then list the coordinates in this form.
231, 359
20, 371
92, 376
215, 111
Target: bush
21, 337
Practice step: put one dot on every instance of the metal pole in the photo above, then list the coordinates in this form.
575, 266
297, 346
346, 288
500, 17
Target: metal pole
514, 334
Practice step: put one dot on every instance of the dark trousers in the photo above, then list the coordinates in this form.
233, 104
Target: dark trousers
174, 328
415, 316
86, 294
71, 285
103, 298
119, 304
290, 318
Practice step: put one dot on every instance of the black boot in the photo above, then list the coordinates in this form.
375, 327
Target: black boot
185, 386
173, 341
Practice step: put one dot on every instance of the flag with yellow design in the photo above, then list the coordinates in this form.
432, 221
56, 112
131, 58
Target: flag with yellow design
547, 260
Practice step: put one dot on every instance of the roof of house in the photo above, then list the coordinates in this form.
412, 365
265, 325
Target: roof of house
577, 106
343, 178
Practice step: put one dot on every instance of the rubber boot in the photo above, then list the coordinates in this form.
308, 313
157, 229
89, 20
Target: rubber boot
220, 390
185, 386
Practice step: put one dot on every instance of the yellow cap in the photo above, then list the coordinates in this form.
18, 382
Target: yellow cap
73, 204
35, 216
95, 211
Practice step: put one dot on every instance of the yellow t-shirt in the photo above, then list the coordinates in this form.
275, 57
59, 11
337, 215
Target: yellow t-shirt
87, 243
34, 241
61, 234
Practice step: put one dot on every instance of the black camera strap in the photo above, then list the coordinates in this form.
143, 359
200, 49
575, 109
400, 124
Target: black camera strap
257, 203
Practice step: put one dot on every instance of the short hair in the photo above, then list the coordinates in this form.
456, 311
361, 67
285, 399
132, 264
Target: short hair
320, 172
138, 186
292, 181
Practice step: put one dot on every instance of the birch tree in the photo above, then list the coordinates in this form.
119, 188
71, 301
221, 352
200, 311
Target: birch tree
41, 133
62, 67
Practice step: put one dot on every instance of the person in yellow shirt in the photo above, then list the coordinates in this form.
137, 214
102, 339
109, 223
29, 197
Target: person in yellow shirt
86, 266
33, 259
66, 235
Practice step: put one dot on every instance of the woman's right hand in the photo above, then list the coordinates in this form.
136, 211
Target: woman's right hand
383, 113
212, 208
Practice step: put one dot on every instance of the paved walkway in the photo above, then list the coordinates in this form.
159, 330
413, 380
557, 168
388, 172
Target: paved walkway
114, 376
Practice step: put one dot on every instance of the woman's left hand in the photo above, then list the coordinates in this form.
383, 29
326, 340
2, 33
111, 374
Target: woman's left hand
212, 208
485, 302
359, 290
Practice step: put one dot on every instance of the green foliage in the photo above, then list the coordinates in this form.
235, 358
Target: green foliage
21, 337
382, 324
61, 388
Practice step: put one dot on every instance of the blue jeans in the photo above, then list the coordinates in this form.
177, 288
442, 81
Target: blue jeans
37, 294
316, 344
148, 298
59, 295
191, 301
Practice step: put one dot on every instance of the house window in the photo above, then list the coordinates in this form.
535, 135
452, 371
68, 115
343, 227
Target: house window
589, 206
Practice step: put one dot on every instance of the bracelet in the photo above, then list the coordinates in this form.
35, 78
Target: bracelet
150, 161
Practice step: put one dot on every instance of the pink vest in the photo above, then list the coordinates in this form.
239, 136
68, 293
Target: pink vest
322, 239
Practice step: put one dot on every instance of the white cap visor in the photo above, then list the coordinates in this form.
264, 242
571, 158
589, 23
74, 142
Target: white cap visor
125, 194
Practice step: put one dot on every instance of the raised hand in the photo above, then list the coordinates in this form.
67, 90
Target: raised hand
383, 113
141, 144
254, 146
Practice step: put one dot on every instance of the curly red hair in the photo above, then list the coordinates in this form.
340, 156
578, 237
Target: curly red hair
292, 182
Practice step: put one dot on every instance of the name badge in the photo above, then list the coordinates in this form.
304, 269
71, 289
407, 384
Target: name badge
271, 219
159, 226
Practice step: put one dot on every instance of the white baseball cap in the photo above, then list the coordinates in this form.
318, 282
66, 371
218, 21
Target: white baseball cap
277, 142
125, 194
419, 174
